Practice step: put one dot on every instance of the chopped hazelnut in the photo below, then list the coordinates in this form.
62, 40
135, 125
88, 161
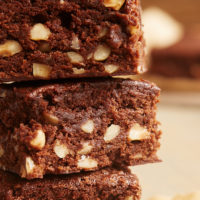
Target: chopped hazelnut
28, 168
60, 149
39, 32
115, 4
102, 32
88, 126
111, 132
86, 149
138, 132
102, 53
75, 58
52, 119
141, 69
110, 68
133, 29
87, 163
41, 70
39, 141
10, 48
78, 71
75, 43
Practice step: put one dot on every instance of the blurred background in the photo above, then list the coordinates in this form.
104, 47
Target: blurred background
185, 11
173, 46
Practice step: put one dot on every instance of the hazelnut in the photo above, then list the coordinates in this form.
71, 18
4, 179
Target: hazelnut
28, 168
138, 156
133, 29
62, 1
52, 119
1, 151
102, 32
44, 47
41, 70
78, 71
87, 163
75, 58
111, 132
111, 68
88, 126
141, 69
39, 141
138, 132
10, 48
60, 150
102, 53
75, 43
115, 4
39, 32
86, 149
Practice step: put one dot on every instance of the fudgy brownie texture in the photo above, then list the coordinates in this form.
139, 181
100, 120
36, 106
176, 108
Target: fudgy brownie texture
101, 185
180, 60
77, 125
51, 39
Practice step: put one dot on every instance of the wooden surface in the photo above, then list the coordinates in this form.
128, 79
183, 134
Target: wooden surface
180, 151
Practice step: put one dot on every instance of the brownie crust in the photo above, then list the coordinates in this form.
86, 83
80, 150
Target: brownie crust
106, 184
75, 126
53, 39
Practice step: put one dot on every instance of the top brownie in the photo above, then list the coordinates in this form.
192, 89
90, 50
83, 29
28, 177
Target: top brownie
51, 39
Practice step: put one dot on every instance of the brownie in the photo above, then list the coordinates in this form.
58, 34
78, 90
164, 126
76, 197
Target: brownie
77, 125
51, 39
106, 184
179, 60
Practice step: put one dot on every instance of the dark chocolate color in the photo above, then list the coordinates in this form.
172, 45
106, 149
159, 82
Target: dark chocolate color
101, 185
86, 20
61, 110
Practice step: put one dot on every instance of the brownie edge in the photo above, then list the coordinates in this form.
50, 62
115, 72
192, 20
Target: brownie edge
78, 126
54, 39
107, 184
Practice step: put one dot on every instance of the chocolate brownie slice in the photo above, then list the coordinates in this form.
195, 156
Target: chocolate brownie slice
179, 60
105, 184
77, 125
51, 39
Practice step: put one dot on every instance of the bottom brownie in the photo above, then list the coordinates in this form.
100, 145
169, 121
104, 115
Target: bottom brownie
105, 184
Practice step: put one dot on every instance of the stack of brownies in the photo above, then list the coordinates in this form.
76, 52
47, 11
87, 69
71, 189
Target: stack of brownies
65, 134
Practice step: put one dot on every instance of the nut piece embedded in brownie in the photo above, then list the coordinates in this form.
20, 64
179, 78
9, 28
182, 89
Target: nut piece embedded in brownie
106, 184
45, 39
82, 125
